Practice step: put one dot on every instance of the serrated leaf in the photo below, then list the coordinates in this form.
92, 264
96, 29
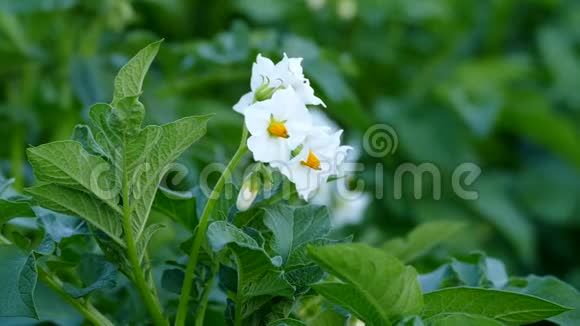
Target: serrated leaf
11, 209
422, 239
551, 288
17, 280
293, 227
504, 306
355, 301
388, 285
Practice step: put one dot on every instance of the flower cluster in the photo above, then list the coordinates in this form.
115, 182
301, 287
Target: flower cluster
281, 127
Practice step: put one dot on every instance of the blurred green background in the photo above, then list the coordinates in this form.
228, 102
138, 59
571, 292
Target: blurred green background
494, 82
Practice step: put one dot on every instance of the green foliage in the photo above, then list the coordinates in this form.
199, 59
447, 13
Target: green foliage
378, 288
550, 288
422, 239
503, 306
493, 83
18, 280
72, 181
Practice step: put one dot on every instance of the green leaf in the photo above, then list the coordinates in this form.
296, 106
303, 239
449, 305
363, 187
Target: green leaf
504, 306
145, 238
129, 159
11, 209
179, 207
461, 319
387, 285
287, 322
328, 317
95, 273
67, 163
72, 202
354, 300
17, 280
293, 227
422, 239
129, 80
552, 289
258, 274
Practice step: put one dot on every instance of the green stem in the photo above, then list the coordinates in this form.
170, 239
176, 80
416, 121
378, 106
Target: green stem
17, 157
239, 298
4, 240
84, 307
202, 228
151, 304
203, 304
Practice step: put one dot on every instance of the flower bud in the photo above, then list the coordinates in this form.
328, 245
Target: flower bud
248, 193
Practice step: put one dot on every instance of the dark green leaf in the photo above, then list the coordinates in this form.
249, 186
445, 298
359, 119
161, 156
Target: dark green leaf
17, 280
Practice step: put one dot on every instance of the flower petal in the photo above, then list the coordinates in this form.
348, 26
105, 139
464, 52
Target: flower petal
244, 102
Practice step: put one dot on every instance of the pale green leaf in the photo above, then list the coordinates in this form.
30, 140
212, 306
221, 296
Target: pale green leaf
422, 239
67, 163
504, 306
70, 201
129, 80
381, 278
551, 288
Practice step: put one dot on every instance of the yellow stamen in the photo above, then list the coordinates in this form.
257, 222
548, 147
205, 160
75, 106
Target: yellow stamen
312, 161
278, 129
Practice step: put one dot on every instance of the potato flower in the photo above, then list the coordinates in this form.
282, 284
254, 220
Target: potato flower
267, 78
277, 126
314, 161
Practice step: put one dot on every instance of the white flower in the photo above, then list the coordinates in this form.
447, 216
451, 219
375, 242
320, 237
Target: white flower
268, 78
277, 126
319, 158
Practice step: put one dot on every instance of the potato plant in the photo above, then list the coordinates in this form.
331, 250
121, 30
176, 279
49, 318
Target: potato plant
265, 255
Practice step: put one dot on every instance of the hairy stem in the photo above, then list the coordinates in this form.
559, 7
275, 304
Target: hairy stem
202, 228
151, 304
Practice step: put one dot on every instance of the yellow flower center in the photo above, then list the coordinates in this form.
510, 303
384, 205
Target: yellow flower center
311, 161
278, 129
